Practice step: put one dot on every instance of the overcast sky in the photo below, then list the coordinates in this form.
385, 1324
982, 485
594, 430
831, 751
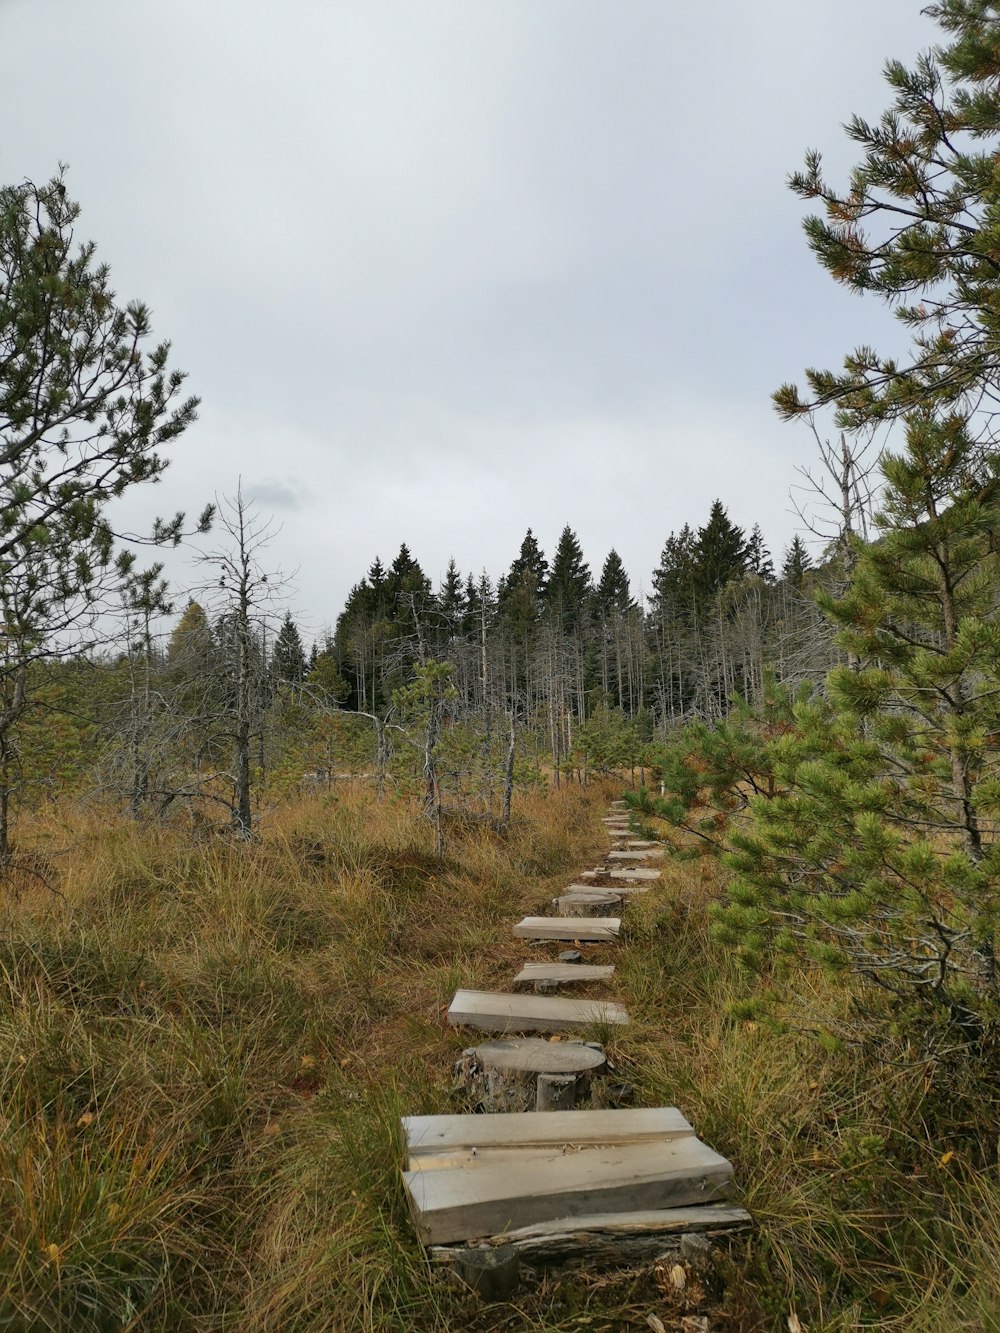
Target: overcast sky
441, 270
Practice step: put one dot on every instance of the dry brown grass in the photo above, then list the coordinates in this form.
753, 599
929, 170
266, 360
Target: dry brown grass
205, 1049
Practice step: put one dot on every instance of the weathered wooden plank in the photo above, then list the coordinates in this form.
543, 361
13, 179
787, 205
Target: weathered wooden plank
432, 1135
568, 928
640, 844
652, 855
619, 887
636, 873
563, 972
493, 1011
615, 1238
452, 1204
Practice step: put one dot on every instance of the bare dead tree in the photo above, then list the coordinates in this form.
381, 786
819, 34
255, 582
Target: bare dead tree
245, 594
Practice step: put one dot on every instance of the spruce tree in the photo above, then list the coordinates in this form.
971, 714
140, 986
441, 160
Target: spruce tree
522, 591
406, 578
569, 583
796, 562
530, 560
288, 658
613, 591
720, 553
758, 557
191, 650
451, 596
674, 576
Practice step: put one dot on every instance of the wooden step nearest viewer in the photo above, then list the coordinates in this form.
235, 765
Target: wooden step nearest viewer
452, 1201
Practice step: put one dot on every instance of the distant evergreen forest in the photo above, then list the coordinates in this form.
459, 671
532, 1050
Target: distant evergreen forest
550, 669
559, 643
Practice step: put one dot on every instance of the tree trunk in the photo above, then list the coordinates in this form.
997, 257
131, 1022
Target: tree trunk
508, 779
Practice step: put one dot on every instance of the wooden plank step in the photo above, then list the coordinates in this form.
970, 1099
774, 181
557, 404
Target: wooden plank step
618, 805
619, 889
453, 1203
638, 844
636, 873
611, 1238
568, 927
499, 1011
431, 1135
563, 972
636, 856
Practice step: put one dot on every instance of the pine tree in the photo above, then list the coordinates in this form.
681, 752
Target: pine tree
288, 658
919, 225
880, 855
87, 405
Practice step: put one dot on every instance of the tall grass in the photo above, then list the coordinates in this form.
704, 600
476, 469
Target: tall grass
205, 1050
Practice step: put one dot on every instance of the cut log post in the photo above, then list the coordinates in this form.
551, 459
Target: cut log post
587, 902
556, 1092
495, 1273
503, 1075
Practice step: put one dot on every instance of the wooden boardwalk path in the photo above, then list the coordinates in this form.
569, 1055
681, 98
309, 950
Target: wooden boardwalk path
531, 1175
